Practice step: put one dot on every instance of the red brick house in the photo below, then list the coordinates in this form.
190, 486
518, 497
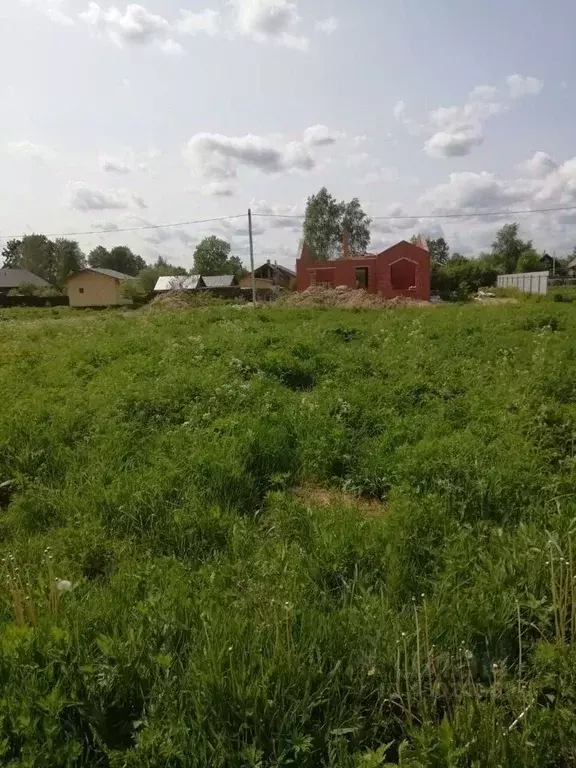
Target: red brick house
402, 270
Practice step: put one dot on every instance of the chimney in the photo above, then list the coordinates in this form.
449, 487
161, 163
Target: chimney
346, 245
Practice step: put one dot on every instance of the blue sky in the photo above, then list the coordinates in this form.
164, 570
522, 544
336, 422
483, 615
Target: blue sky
126, 115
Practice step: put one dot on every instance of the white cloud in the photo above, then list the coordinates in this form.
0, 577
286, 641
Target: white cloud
321, 136
172, 48
26, 148
455, 143
239, 228
461, 127
399, 110
475, 192
217, 157
54, 9
136, 26
207, 22
140, 202
559, 187
328, 26
278, 216
519, 86
162, 235
84, 198
264, 21
106, 226
401, 115
270, 21
218, 189
113, 165
539, 165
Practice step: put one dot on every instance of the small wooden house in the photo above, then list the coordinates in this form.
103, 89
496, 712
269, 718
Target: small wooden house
96, 287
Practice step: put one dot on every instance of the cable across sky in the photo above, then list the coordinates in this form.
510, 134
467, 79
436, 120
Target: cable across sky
302, 216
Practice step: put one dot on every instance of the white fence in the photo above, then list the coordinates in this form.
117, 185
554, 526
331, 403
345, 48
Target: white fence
527, 282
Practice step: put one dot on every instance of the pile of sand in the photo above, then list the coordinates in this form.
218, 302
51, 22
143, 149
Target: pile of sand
318, 296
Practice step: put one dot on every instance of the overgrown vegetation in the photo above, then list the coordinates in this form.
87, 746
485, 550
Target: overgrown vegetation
177, 592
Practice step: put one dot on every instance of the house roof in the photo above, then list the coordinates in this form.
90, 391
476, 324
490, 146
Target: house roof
102, 271
179, 283
219, 281
572, 264
278, 267
12, 278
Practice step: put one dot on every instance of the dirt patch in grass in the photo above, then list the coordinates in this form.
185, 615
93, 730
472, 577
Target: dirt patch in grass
317, 496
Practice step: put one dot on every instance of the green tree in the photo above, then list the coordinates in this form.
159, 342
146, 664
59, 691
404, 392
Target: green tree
37, 256
121, 258
530, 261
68, 257
98, 256
326, 221
461, 277
439, 250
212, 257
11, 254
508, 247
235, 267
357, 224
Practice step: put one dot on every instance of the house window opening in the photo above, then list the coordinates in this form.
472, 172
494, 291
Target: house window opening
361, 277
80, 290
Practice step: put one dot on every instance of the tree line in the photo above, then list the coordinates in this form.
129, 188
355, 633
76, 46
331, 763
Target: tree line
55, 260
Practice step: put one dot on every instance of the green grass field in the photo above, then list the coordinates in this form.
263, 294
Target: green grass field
295, 537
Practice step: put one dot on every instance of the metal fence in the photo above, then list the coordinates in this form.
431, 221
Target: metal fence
527, 282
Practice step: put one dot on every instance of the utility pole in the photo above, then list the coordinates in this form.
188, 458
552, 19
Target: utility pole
553, 263
252, 257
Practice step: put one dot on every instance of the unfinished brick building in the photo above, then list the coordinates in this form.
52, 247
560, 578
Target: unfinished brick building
402, 270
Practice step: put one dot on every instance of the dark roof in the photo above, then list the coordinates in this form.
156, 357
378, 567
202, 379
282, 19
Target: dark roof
107, 272
12, 278
277, 267
219, 281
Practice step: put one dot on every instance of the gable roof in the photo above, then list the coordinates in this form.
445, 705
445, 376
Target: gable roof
405, 243
572, 264
12, 278
219, 281
179, 283
276, 267
106, 272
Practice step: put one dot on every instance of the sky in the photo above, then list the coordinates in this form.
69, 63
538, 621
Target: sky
131, 116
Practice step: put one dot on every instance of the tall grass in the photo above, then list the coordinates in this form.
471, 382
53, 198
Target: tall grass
293, 537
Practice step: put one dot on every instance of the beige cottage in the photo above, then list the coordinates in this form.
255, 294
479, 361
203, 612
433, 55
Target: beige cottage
95, 287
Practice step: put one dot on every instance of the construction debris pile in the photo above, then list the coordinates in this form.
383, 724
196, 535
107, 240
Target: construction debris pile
342, 296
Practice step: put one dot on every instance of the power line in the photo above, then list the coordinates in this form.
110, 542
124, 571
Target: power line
133, 229
145, 227
432, 216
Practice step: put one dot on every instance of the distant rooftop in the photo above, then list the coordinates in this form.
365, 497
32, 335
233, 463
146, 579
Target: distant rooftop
12, 278
108, 272
219, 281
179, 283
